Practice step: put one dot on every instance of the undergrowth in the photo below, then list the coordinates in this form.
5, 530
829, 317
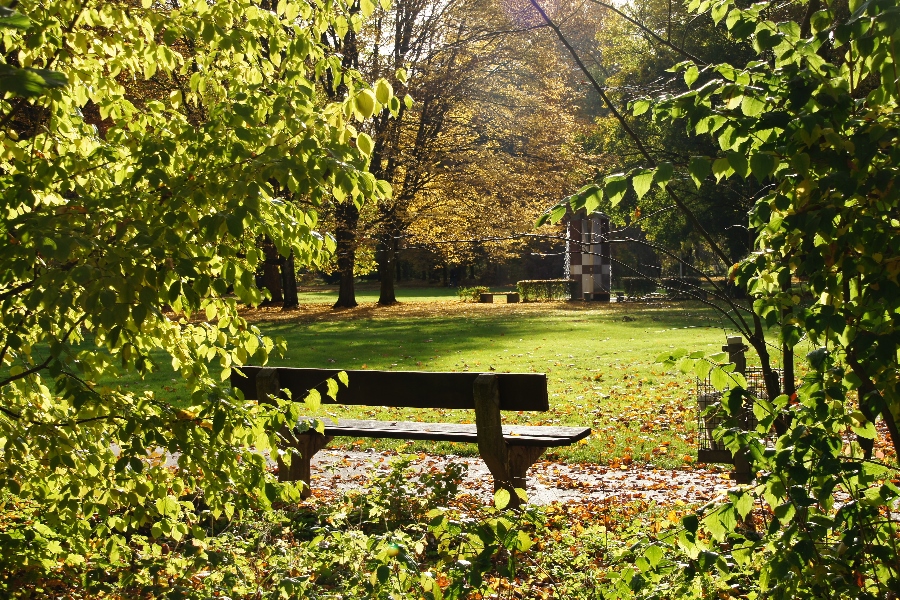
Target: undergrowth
403, 535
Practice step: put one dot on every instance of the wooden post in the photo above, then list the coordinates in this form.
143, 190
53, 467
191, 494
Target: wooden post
491, 444
302, 446
737, 354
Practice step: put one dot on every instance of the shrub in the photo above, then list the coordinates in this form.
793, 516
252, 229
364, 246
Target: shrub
545, 290
472, 294
638, 286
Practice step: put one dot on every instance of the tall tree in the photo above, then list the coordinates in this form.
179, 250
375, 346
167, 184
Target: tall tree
475, 140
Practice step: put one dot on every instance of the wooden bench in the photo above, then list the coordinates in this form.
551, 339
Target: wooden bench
508, 450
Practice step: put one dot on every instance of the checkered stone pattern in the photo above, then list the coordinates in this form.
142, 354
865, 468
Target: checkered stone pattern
589, 260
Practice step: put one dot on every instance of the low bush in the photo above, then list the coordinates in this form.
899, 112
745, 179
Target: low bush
638, 286
545, 290
472, 294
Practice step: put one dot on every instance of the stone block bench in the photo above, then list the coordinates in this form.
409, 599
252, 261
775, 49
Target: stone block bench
488, 298
507, 450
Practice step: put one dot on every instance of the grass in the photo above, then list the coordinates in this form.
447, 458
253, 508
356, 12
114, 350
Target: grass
599, 360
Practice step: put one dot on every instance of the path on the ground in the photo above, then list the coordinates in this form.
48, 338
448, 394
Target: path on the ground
548, 482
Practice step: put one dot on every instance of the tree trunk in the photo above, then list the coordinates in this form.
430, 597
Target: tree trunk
347, 219
289, 278
387, 257
271, 271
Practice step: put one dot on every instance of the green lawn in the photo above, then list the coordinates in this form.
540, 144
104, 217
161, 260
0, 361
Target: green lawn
598, 359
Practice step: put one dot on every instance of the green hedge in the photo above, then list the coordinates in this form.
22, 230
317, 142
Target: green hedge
638, 286
472, 294
544, 290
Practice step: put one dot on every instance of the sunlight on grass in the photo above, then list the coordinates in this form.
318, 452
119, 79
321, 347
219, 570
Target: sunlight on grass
598, 359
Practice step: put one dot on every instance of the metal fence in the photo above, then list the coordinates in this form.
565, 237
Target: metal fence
710, 450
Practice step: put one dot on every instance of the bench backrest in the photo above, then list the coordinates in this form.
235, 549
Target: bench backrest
404, 389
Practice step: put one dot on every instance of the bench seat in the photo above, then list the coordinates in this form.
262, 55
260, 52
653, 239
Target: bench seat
514, 435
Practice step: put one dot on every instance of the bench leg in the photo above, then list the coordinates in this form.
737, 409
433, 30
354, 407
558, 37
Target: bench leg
509, 471
520, 460
306, 446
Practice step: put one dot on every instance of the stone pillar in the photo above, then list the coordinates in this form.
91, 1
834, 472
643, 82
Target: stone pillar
573, 250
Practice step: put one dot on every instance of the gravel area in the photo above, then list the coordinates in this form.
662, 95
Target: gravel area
548, 482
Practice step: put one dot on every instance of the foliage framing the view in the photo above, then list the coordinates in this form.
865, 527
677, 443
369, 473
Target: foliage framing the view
143, 150
814, 120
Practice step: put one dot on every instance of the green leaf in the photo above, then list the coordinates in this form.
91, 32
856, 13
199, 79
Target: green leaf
721, 168
313, 400
615, 187
743, 502
383, 573
752, 106
501, 498
365, 103
702, 369
383, 91
739, 163
365, 144
720, 521
10, 19
719, 11
593, 199
700, 169
29, 82
762, 165
719, 378
168, 506
640, 107
653, 554
691, 523
664, 172
691, 75
343, 378
642, 183
557, 213
867, 430
523, 541
332, 389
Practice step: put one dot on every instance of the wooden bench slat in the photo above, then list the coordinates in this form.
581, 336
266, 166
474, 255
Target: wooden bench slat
514, 435
406, 389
